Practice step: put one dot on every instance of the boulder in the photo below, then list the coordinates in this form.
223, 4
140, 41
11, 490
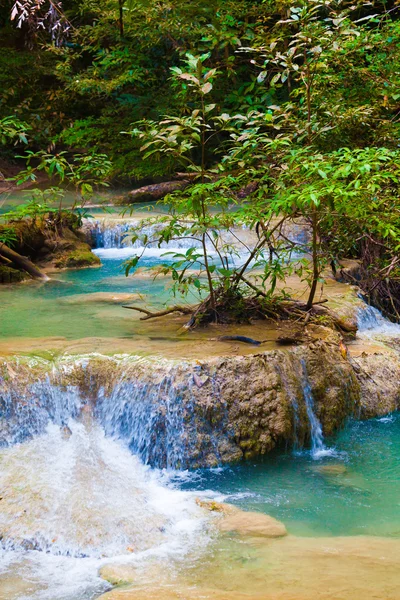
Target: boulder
248, 523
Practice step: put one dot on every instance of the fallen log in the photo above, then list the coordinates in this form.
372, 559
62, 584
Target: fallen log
22, 262
248, 189
156, 191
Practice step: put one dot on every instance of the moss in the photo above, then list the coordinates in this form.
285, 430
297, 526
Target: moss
10, 275
79, 257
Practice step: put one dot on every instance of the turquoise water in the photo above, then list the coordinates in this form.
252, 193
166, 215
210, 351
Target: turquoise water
49, 309
355, 491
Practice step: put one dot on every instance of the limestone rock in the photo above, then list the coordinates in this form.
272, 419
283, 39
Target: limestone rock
244, 523
245, 407
251, 524
118, 574
379, 376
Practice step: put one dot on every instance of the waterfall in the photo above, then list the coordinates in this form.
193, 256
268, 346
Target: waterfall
154, 410
106, 235
162, 422
26, 414
318, 447
111, 239
296, 422
291, 393
102, 236
371, 321
74, 496
149, 417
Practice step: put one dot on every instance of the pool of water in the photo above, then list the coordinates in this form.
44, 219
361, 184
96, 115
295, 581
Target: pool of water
354, 491
93, 506
58, 307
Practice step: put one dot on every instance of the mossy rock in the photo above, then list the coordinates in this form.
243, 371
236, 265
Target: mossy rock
10, 275
80, 257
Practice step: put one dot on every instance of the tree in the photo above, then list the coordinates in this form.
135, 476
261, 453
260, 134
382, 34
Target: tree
202, 212
308, 46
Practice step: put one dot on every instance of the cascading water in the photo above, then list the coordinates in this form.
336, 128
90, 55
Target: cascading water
102, 236
110, 239
318, 447
74, 499
162, 422
106, 235
149, 418
371, 321
27, 413
153, 408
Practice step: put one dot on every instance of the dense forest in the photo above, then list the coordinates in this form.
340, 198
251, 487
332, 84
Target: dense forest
288, 111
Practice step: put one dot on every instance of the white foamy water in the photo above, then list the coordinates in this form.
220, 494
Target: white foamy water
113, 241
73, 500
128, 251
371, 322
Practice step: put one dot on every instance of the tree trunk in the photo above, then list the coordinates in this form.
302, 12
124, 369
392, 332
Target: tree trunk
21, 261
121, 17
315, 262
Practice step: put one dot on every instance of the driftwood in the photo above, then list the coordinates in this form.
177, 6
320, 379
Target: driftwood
22, 262
152, 315
156, 191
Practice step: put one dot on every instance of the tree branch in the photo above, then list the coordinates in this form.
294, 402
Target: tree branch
152, 315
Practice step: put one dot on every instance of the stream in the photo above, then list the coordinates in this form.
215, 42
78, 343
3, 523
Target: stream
76, 500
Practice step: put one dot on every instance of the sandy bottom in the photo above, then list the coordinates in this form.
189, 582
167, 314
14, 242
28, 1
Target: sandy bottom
290, 568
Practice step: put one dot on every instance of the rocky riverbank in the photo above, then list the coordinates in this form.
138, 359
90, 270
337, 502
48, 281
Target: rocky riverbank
53, 241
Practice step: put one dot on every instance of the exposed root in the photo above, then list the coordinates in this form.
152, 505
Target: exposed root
231, 307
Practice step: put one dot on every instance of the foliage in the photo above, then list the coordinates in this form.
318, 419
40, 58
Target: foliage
278, 112
8, 236
96, 82
283, 150
41, 14
201, 212
13, 130
83, 171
